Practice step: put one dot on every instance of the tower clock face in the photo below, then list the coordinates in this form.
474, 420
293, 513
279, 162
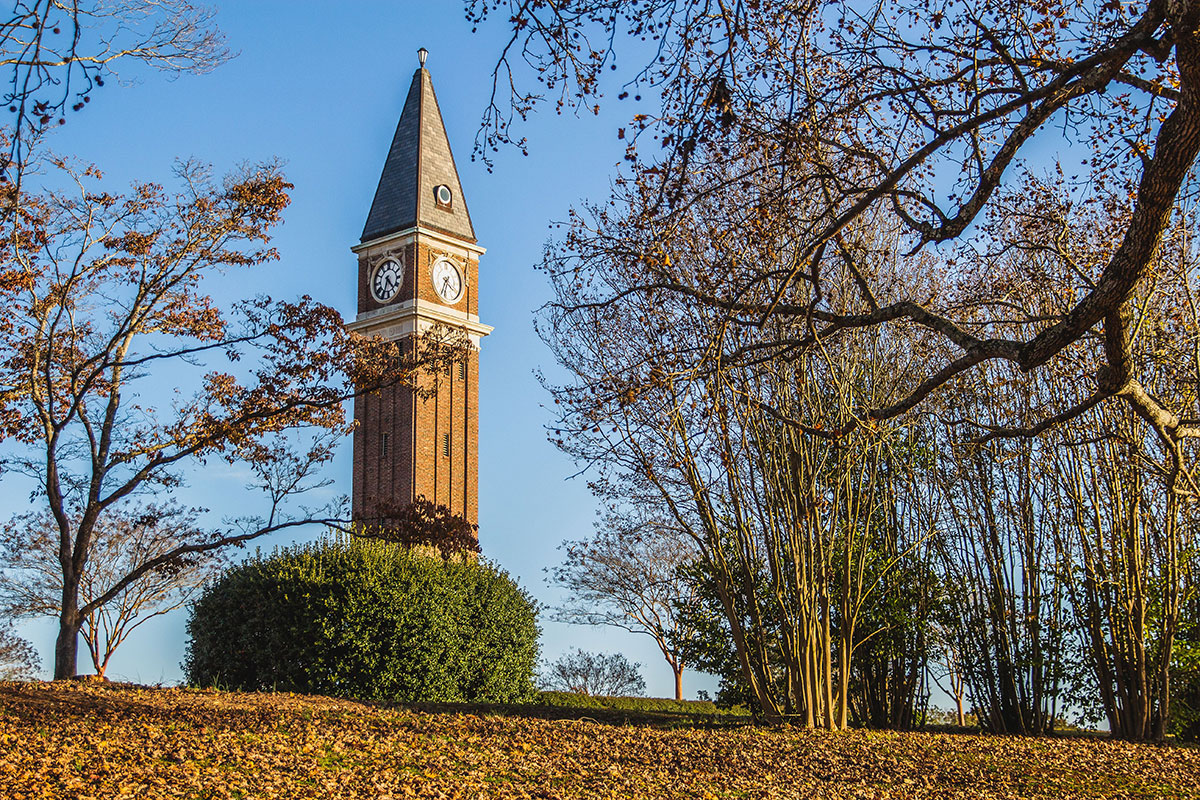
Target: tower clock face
447, 281
386, 280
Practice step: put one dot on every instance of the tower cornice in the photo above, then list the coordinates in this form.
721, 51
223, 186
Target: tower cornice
432, 234
417, 316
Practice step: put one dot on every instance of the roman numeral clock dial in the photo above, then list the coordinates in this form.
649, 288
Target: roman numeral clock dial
447, 281
386, 280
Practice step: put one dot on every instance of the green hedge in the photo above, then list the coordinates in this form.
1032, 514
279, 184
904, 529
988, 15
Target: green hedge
366, 619
639, 704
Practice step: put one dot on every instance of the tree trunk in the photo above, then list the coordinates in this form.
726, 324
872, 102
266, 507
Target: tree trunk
843, 702
678, 683
759, 682
66, 647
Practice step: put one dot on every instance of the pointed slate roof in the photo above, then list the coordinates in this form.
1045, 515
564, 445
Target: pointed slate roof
418, 162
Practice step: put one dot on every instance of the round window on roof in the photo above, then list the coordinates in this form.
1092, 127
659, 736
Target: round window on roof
443, 195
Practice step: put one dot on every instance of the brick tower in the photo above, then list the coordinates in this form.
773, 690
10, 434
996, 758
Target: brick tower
418, 266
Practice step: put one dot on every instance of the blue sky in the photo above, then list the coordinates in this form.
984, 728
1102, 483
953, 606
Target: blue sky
321, 89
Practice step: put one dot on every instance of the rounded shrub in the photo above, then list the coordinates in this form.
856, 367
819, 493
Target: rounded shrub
367, 619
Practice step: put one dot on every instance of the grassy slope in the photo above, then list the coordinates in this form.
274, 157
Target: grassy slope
76, 741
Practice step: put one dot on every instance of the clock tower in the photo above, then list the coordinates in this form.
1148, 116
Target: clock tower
418, 267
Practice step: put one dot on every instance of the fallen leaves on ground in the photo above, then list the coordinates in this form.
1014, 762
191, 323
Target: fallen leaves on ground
69, 740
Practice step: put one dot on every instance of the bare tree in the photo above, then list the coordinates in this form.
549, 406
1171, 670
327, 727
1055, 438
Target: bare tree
31, 581
1007, 607
1127, 519
1119, 548
789, 131
1044, 529
55, 55
948, 668
927, 116
18, 659
629, 575
595, 675
105, 291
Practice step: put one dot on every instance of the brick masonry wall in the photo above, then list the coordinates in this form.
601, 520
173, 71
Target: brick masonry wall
377, 477
417, 463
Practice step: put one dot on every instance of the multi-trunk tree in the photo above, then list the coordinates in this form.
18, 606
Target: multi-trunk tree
1126, 516
727, 424
910, 171
795, 530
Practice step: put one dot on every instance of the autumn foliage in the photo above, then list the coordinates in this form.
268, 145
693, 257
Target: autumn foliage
70, 741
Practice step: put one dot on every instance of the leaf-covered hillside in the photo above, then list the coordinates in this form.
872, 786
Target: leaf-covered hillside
86, 741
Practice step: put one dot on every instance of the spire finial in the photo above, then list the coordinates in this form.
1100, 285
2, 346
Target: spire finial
422, 54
